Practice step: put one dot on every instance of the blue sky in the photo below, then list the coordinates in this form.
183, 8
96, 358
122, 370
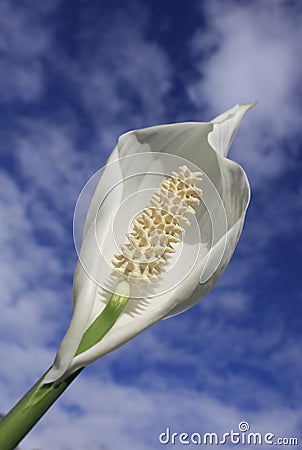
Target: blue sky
76, 75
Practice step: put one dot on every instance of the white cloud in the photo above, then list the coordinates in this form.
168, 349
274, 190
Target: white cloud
49, 160
24, 41
253, 56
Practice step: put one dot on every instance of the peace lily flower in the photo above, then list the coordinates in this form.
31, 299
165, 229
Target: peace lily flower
162, 225
133, 167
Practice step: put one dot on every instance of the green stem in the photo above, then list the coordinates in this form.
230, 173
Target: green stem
103, 323
29, 410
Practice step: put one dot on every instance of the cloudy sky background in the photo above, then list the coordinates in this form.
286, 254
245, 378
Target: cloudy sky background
73, 77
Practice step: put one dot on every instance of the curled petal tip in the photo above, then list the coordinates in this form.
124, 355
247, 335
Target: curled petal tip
225, 127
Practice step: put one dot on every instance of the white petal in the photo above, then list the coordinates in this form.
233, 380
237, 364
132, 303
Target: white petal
182, 298
201, 143
235, 194
107, 181
85, 290
202, 289
225, 128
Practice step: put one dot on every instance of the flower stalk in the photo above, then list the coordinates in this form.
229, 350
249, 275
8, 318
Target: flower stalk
29, 410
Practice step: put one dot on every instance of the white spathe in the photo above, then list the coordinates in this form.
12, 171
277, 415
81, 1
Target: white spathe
206, 144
